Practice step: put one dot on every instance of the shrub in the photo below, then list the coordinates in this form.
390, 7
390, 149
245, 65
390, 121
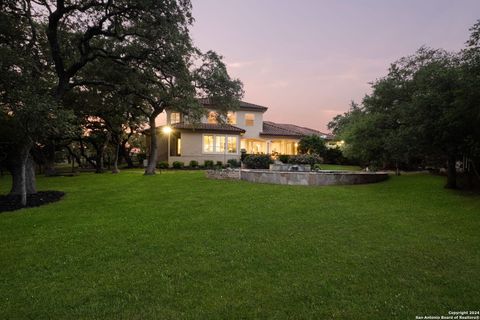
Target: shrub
334, 156
257, 161
311, 145
310, 159
219, 164
243, 154
284, 158
208, 164
193, 164
234, 163
316, 167
177, 164
162, 165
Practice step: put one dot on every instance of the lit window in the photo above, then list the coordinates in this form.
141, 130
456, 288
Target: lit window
175, 144
231, 118
208, 143
212, 117
220, 144
232, 144
174, 117
249, 119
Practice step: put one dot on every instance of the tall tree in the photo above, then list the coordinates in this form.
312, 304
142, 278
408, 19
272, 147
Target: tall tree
418, 110
146, 41
28, 112
470, 97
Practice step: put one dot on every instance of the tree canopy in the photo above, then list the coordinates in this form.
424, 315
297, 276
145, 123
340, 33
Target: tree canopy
67, 62
425, 111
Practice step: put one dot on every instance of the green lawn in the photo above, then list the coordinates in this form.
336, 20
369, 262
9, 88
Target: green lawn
339, 167
179, 246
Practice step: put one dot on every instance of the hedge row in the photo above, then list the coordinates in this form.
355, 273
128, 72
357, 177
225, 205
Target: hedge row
209, 164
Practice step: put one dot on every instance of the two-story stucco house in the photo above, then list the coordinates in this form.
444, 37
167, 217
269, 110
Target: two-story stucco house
210, 140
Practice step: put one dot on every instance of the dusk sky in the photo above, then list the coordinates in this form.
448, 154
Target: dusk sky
306, 60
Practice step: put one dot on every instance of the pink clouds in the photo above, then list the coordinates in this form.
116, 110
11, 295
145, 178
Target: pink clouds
306, 60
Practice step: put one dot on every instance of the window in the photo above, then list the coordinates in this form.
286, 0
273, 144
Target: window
174, 117
232, 144
220, 144
212, 117
249, 119
175, 144
231, 118
208, 143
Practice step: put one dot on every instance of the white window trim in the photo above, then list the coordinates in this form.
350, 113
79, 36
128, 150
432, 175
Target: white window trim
179, 117
226, 144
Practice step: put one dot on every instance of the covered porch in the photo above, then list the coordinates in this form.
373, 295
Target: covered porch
268, 146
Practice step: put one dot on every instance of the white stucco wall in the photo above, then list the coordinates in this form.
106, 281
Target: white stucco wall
250, 131
192, 149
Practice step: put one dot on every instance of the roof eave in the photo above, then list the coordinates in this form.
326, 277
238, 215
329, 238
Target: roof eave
212, 130
277, 135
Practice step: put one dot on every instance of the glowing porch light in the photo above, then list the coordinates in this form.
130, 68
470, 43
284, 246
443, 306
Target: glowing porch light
167, 129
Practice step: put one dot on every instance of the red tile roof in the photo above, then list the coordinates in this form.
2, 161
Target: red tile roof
243, 105
223, 127
290, 130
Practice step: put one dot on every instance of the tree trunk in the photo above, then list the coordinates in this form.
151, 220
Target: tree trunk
21, 166
397, 169
82, 153
49, 154
109, 160
126, 154
99, 161
451, 172
75, 157
152, 152
115, 160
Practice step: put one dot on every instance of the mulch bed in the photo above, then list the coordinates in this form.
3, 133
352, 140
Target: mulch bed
12, 202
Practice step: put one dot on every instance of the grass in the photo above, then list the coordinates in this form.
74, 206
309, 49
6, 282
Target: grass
179, 246
339, 167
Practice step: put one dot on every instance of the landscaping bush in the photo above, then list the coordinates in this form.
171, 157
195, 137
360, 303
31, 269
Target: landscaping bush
177, 164
312, 145
243, 154
208, 164
310, 159
257, 161
234, 163
162, 165
284, 158
334, 156
219, 164
193, 164
316, 167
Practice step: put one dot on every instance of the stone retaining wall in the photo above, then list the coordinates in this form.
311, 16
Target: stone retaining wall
224, 174
318, 178
290, 167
